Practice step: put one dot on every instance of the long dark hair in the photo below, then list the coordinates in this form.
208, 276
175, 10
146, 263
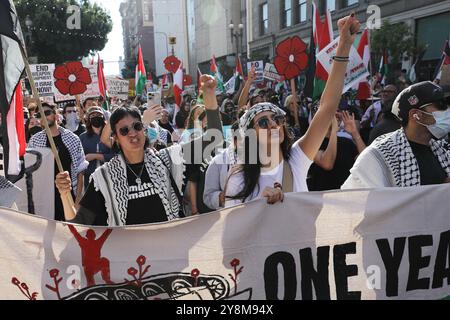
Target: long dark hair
119, 114
252, 172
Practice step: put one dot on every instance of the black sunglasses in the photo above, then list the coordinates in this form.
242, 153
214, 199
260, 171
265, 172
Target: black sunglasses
46, 112
71, 111
264, 122
137, 126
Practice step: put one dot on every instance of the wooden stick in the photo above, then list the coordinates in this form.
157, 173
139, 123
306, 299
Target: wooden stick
43, 118
294, 97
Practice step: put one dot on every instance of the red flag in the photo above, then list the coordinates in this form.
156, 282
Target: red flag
102, 86
364, 51
213, 66
178, 85
323, 35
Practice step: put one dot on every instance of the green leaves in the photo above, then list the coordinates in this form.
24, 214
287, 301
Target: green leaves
51, 40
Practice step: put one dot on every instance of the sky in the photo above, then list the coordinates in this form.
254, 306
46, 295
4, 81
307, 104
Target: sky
114, 48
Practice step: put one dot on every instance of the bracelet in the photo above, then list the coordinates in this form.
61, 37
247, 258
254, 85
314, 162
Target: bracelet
341, 59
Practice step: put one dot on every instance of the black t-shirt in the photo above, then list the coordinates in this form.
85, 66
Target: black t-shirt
322, 180
144, 204
197, 173
66, 162
431, 171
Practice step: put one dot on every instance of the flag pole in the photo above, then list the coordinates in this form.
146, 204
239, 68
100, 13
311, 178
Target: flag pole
43, 118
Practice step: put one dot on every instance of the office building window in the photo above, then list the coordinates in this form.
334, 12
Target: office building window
287, 13
301, 11
264, 14
351, 2
331, 5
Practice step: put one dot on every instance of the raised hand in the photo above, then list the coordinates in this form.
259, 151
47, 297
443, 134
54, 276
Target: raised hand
349, 122
208, 89
348, 28
63, 183
152, 114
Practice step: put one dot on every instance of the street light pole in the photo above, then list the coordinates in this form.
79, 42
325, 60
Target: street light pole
236, 35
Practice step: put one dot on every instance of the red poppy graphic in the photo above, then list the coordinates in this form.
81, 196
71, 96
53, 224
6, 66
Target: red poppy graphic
172, 64
291, 57
72, 78
187, 80
235, 262
195, 273
141, 260
132, 271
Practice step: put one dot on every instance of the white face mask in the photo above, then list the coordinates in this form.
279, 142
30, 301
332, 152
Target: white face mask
442, 126
72, 121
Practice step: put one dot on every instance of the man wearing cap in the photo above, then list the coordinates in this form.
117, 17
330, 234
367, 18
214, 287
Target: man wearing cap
414, 155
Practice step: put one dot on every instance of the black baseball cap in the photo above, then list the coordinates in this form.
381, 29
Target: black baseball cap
418, 96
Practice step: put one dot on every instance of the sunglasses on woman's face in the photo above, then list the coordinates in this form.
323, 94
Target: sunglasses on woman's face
264, 122
46, 112
137, 126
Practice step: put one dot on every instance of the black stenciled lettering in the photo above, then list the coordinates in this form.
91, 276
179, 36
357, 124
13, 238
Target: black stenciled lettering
441, 271
342, 271
392, 261
317, 277
418, 262
271, 276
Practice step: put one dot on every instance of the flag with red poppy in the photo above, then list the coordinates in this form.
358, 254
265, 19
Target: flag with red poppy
323, 35
178, 80
141, 75
12, 66
364, 52
102, 85
445, 60
216, 73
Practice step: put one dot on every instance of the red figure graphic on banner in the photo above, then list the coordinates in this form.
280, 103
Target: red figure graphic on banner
92, 261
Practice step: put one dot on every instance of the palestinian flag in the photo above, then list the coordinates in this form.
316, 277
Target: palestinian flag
102, 85
141, 75
217, 75
239, 75
12, 67
413, 72
445, 60
384, 67
323, 35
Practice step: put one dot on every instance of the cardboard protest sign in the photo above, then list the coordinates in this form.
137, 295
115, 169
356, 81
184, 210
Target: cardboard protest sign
271, 73
291, 58
259, 68
356, 70
73, 79
43, 78
360, 244
118, 88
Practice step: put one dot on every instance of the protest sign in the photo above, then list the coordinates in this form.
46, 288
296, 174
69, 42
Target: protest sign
356, 70
92, 90
270, 73
259, 68
43, 78
359, 244
230, 85
118, 88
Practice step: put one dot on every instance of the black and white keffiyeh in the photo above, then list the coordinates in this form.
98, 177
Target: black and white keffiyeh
8, 192
111, 180
400, 159
247, 118
73, 144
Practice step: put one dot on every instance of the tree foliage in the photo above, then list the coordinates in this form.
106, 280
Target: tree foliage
59, 44
397, 39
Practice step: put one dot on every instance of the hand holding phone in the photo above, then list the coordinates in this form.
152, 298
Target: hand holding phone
153, 99
152, 113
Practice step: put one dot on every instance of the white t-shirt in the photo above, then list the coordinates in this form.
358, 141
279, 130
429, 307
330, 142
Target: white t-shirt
299, 164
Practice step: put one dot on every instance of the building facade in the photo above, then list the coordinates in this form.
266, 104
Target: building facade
274, 20
209, 33
138, 28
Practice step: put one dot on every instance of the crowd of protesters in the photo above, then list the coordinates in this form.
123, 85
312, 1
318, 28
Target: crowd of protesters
137, 164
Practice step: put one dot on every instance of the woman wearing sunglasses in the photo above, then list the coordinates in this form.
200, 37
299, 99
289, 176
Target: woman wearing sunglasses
139, 186
272, 164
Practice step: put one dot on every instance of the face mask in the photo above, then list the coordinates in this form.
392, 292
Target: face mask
72, 121
152, 134
34, 130
97, 122
442, 126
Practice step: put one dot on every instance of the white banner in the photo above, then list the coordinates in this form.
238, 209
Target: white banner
356, 70
259, 68
92, 89
271, 73
118, 88
230, 85
361, 244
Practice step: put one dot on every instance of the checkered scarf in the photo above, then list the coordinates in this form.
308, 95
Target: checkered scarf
399, 157
8, 192
247, 118
73, 144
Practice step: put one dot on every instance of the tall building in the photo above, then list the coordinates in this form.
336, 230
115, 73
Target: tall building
209, 33
170, 21
274, 20
138, 28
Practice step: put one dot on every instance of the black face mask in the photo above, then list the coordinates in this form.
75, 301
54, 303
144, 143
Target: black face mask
97, 122
34, 130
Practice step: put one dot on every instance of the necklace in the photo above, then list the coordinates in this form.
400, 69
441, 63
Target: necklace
138, 177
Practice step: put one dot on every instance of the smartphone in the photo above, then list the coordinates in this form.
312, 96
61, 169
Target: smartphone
153, 99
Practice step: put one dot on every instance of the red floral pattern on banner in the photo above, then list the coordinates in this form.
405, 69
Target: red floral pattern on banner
72, 78
187, 80
172, 64
291, 57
